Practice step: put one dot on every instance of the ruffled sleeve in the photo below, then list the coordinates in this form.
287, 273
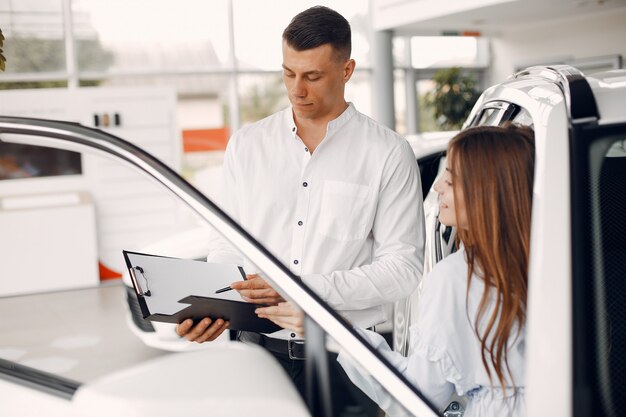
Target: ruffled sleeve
432, 370
366, 382
439, 339
426, 374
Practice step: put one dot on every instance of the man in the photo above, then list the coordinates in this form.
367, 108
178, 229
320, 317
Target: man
331, 193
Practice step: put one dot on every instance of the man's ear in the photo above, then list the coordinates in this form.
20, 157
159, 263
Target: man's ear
348, 70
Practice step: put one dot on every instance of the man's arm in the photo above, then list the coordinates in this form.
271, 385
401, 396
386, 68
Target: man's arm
398, 252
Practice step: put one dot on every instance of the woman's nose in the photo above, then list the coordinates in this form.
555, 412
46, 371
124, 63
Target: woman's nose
437, 186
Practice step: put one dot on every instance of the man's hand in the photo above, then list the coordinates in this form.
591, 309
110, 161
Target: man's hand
205, 331
255, 290
285, 315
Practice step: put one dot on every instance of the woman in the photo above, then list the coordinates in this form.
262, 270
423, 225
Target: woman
469, 334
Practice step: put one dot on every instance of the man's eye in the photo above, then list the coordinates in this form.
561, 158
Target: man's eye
286, 74
314, 78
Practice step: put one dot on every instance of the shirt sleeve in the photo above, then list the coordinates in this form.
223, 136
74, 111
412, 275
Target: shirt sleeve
433, 366
220, 250
398, 249
425, 374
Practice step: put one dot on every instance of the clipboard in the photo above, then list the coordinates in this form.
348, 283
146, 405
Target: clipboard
171, 290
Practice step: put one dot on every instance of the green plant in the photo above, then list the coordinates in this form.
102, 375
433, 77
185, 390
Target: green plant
3, 60
452, 98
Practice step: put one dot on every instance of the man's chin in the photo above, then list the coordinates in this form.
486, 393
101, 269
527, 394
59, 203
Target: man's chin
303, 113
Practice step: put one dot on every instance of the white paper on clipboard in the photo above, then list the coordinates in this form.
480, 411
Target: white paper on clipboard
172, 279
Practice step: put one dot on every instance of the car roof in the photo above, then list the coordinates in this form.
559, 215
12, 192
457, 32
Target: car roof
609, 89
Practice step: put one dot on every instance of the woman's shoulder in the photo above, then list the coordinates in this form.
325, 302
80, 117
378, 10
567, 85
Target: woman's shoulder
449, 272
443, 291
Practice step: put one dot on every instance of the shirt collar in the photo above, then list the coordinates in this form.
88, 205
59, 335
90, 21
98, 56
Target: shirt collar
332, 125
343, 118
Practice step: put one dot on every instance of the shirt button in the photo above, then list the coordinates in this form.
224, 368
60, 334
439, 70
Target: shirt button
293, 335
300, 223
306, 149
305, 184
293, 129
295, 262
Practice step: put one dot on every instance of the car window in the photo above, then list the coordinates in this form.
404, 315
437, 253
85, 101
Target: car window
27, 161
522, 117
61, 295
488, 117
65, 336
599, 284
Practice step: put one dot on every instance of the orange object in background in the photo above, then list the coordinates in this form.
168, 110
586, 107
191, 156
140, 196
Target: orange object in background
201, 140
106, 273
475, 34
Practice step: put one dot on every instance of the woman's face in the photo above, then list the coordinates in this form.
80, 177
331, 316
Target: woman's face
447, 189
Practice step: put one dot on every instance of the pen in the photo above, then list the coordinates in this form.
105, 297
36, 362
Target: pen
223, 290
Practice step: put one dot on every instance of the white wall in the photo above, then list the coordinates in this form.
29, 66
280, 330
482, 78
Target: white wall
199, 113
131, 210
574, 38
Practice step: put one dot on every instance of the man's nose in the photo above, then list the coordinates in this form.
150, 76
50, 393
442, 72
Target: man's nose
298, 89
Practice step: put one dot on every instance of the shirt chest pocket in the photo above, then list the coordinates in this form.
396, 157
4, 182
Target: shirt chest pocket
344, 211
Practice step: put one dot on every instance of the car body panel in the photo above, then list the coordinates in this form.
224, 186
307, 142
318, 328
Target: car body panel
214, 381
609, 87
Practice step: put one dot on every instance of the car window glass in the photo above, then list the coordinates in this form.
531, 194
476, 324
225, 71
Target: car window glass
599, 285
488, 117
80, 315
608, 210
27, 161
65, 305
523, 117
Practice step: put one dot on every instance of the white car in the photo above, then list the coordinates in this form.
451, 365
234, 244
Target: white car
576, 339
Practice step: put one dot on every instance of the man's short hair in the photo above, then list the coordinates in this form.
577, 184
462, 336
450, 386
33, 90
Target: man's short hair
318, 26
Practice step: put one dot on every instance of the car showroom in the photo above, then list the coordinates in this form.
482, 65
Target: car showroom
155, 156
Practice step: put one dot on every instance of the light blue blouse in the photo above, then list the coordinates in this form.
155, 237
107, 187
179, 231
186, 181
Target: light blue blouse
445, 354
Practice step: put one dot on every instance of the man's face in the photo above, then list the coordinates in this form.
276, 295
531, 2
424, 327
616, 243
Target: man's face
315, 81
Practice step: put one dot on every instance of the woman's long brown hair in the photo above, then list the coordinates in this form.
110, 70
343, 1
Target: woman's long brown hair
493, 167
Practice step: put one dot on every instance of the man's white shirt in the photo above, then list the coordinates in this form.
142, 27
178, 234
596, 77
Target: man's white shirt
348, 219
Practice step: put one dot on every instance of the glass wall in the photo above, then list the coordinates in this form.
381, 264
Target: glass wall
35, 43
223, 57
424, 63
152, 41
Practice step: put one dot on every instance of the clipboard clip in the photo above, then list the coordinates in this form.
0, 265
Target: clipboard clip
140, 291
